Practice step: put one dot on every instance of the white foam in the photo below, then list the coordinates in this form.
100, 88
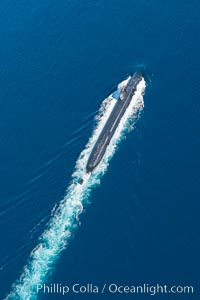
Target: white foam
65, 218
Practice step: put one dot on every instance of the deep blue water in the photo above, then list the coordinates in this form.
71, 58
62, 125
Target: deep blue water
58, 61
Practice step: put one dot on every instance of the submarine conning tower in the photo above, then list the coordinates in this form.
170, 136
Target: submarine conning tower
113, 121
131, 85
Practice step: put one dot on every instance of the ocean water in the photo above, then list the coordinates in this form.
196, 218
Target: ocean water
59, 60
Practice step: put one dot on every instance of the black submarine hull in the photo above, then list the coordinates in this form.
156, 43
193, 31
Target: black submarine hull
113, 121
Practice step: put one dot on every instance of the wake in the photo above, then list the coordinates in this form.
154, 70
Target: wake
65, 218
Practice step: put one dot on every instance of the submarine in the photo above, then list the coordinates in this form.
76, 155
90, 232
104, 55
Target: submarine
113, 121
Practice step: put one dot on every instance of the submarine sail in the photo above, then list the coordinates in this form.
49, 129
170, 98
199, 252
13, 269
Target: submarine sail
113, 121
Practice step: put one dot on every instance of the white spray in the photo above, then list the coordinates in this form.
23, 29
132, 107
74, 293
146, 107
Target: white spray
65, 218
